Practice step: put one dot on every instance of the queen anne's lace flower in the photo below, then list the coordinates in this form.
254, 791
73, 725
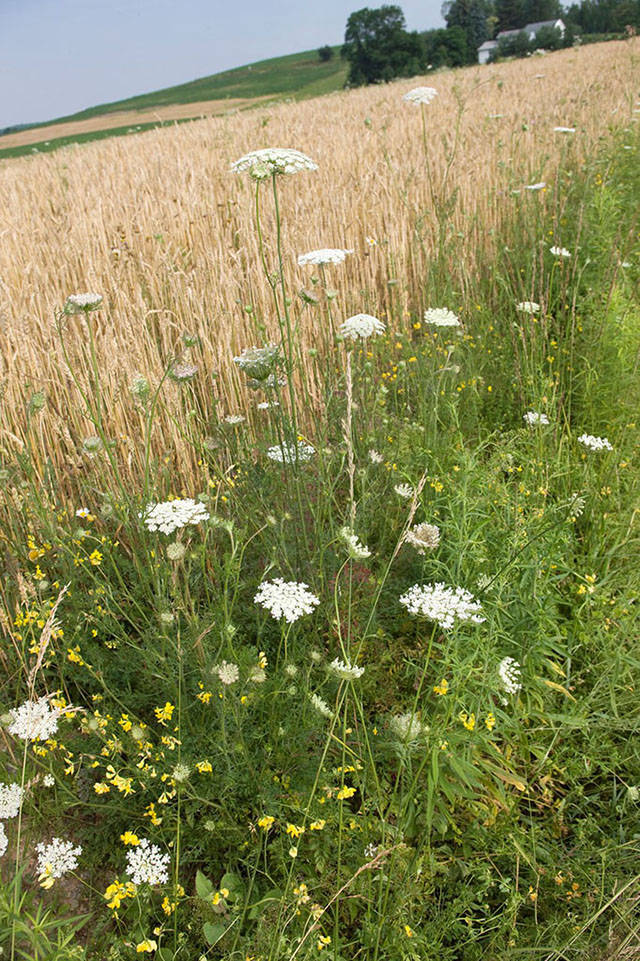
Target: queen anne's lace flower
442, 604
321, 706
57, 858
146, 864
286, 453
10, 800
539, 186
533, 418
345, 670
170, 516
286, 599
361, 327
564, 129
559, 252
528, 307
257, 362
356, 549
234, 419
407, 728
594, 443
420, 95
4, 841
82, 303
424, 537
228, 672
441, 317
183, 372
404, 490
34, 720
375, 456
330, 255
272, 161
509, 672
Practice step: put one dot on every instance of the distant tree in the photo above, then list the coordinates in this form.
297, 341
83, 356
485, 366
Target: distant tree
445, 48
510, 14
547, 38
378, 47
325, 53
473, 18
516, 46
536, 10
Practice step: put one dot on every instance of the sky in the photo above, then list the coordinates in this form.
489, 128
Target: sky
60, 56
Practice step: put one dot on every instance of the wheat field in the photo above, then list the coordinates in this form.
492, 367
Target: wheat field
159, 225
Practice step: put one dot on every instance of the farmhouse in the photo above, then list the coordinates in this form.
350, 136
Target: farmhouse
531, 30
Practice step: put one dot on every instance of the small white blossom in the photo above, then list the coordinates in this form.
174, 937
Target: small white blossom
528, 307
533, 418
420, 95
538, 186
83, 512
272, 161
564, 129
234, 419
345, 670
257, 362
183, 372
34, 720
375, 457
82, 303
228, 672
442, 604
286, 453
509, 671
286, 599
407, 728
48, 780
257, 675
404, 490
266, 405
170, 516
146, 864
441, 317
57, 858
594, 443
423, 537
361, 326
356, 549
560, 252
321, 706
328, 256
11, 796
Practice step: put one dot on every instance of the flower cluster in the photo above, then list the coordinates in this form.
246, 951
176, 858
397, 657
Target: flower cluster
361, 327
286, 599
34, 720
509, 672
528, 307
227, 672
10, 800
594, 443
356, 549
404, 490
420, 95
560, 252
320, 705
407, 728
441, 317
345, 670
183, 371
442, 604
146, 864
533, 418
272, 161
424, 537
288, 453
330, 255
56, 859
170, 516
82, 303
257, 362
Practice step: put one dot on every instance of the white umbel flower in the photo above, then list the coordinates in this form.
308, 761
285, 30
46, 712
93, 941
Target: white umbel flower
404, 490
228, 672
564, 129
257, 362
442, 604
539, 186
330, 255
34, 720
57, 858
407, 728
594, 443
534, 419
528, 307
11, 796
146, 864
424, 537
82, 303
320, 705
560, 252
441, 317
272, 161
4, 841
361, 327
375, 456
356, 549
420, 95
234, 419
346, 671
286, 453
170, 516
509, 672
286, 599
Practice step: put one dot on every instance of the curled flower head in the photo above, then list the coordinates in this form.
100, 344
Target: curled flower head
273, 161
286, 599
82, 303
183, 372
330, 255
361, 327
420, 95
407, 728
357, 550
257, 362
404, 490
441, 317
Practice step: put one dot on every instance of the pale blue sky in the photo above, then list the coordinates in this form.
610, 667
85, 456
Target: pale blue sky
59, 56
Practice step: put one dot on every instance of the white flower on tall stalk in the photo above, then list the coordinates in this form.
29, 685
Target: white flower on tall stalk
357, 550
538, 186
257, 362
273, 161
509, 672
345, 671
266, 405
528, 307
83, 512
176, 551
82, 303
407, 728
424, 537
404, 490
4, 840
320, 705
534, 419
442, 604
170, 516
361, 327
420, 95
11, 796
227, 672
234, 419
375, 457
34, 720
56, 859
48, 780
594, 443
182, 372
560, 252
564, 129
441, 317
285, 453
146, 864
286, 599
330, 255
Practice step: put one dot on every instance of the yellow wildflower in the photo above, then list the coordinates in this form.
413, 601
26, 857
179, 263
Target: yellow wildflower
317, 825
490, 721
164, 713
468, 720
266, 822
130, 838
441, 688
147, 945
345, 792
323, 941
204, 767
117, 892
95, 558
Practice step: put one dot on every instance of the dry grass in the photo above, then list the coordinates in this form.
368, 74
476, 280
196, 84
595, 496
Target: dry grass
158, 224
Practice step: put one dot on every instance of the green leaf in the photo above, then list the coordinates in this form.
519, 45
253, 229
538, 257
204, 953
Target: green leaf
213, 932
204, 887
234, 884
